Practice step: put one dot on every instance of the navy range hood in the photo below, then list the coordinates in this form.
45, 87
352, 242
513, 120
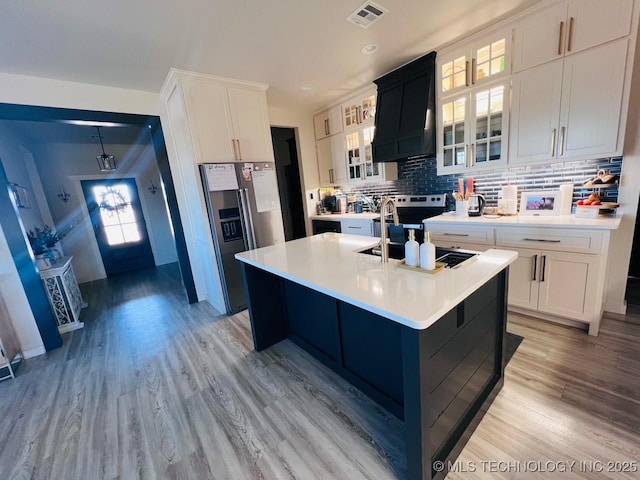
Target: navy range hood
405, 112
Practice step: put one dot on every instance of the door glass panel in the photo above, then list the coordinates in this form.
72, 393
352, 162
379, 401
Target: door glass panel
453, 114
350, 115
481, 128
488, 124
497, 99
369, 107
496, 125
454, 73
490, 59
353, 148
481, 152
117, 214
448, 157
494, 149
459, 135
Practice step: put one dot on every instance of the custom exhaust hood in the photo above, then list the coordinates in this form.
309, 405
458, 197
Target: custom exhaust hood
405, 117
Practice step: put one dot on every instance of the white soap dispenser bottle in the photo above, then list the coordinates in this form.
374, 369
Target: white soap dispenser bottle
412, 250
428, 253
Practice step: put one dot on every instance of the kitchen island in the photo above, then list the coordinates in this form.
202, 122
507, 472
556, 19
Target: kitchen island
427, 347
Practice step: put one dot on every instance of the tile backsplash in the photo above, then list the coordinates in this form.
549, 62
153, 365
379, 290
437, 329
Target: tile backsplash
420, 176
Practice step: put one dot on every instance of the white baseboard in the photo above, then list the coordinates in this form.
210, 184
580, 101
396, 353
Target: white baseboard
33, 352
615, 307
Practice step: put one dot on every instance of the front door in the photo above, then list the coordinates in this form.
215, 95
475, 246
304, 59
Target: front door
118, 223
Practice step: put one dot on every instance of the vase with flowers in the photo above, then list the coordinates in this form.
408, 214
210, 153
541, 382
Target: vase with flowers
43, 242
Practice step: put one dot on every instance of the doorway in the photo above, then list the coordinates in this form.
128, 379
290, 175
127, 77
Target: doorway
12, 226
285, 150
118, 224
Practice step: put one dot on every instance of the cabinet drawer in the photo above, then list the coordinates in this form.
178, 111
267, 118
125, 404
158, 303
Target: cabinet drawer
357, 227
581, 241
461, 233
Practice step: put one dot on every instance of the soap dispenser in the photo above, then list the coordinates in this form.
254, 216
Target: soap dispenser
412, 250
428, 253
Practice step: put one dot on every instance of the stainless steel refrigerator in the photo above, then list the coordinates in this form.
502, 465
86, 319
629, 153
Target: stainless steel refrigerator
244, 213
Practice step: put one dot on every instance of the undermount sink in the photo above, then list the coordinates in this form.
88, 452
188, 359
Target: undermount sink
451, 257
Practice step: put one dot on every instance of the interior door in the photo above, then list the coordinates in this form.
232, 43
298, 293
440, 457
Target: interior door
118, 224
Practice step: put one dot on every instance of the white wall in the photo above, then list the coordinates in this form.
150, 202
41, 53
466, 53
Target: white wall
17, 304
25, 90
288, 115
64, 165
12, 157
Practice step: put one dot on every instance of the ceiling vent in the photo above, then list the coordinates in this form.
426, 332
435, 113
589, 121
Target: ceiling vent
367, 14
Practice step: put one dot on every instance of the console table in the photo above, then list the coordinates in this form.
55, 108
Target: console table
64, 294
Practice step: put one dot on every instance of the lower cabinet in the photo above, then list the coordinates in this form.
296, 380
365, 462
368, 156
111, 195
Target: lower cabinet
313, 317
357, 227
559, 272
557, 283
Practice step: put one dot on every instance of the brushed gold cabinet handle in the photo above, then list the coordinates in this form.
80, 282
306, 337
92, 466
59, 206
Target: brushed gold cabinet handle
570, 35
239, 150
326, 126
560, 38
466, 73
473, 71
553, 142
562, 140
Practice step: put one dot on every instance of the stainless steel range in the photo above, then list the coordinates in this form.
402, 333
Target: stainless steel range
412, 209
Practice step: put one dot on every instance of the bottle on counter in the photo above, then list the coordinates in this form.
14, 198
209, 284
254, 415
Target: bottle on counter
428, 253
412, 250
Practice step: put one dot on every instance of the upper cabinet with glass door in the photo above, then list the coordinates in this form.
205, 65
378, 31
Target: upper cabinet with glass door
360, 164
473, 104
473, 64
360, 110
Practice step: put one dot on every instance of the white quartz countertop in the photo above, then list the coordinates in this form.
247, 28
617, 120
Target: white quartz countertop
560, 221
346, 216
329, 263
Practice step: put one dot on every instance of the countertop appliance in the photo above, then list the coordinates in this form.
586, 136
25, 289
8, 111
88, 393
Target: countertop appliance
476, 205
244, 213
405, 112
412, 209
331, 203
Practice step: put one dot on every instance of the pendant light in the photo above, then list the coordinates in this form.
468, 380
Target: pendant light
107, 163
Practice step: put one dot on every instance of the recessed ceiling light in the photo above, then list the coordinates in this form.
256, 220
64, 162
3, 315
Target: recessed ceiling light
306, 88
369, 49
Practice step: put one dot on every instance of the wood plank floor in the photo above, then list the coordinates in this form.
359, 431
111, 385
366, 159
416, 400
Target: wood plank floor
155, 388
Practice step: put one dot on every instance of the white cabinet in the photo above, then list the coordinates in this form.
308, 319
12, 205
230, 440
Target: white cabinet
328, 122
568, 28
359, 110
569, 108
473, 129
556, 283
474, 63
346, 156
473, 106
568, 283
559, 274
226, 123
331, 160
359, 157
357, 226
535, 113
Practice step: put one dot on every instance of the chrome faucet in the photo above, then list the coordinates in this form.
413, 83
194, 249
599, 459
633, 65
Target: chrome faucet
384, 240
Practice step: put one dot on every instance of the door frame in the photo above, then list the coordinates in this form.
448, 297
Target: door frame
9, 218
